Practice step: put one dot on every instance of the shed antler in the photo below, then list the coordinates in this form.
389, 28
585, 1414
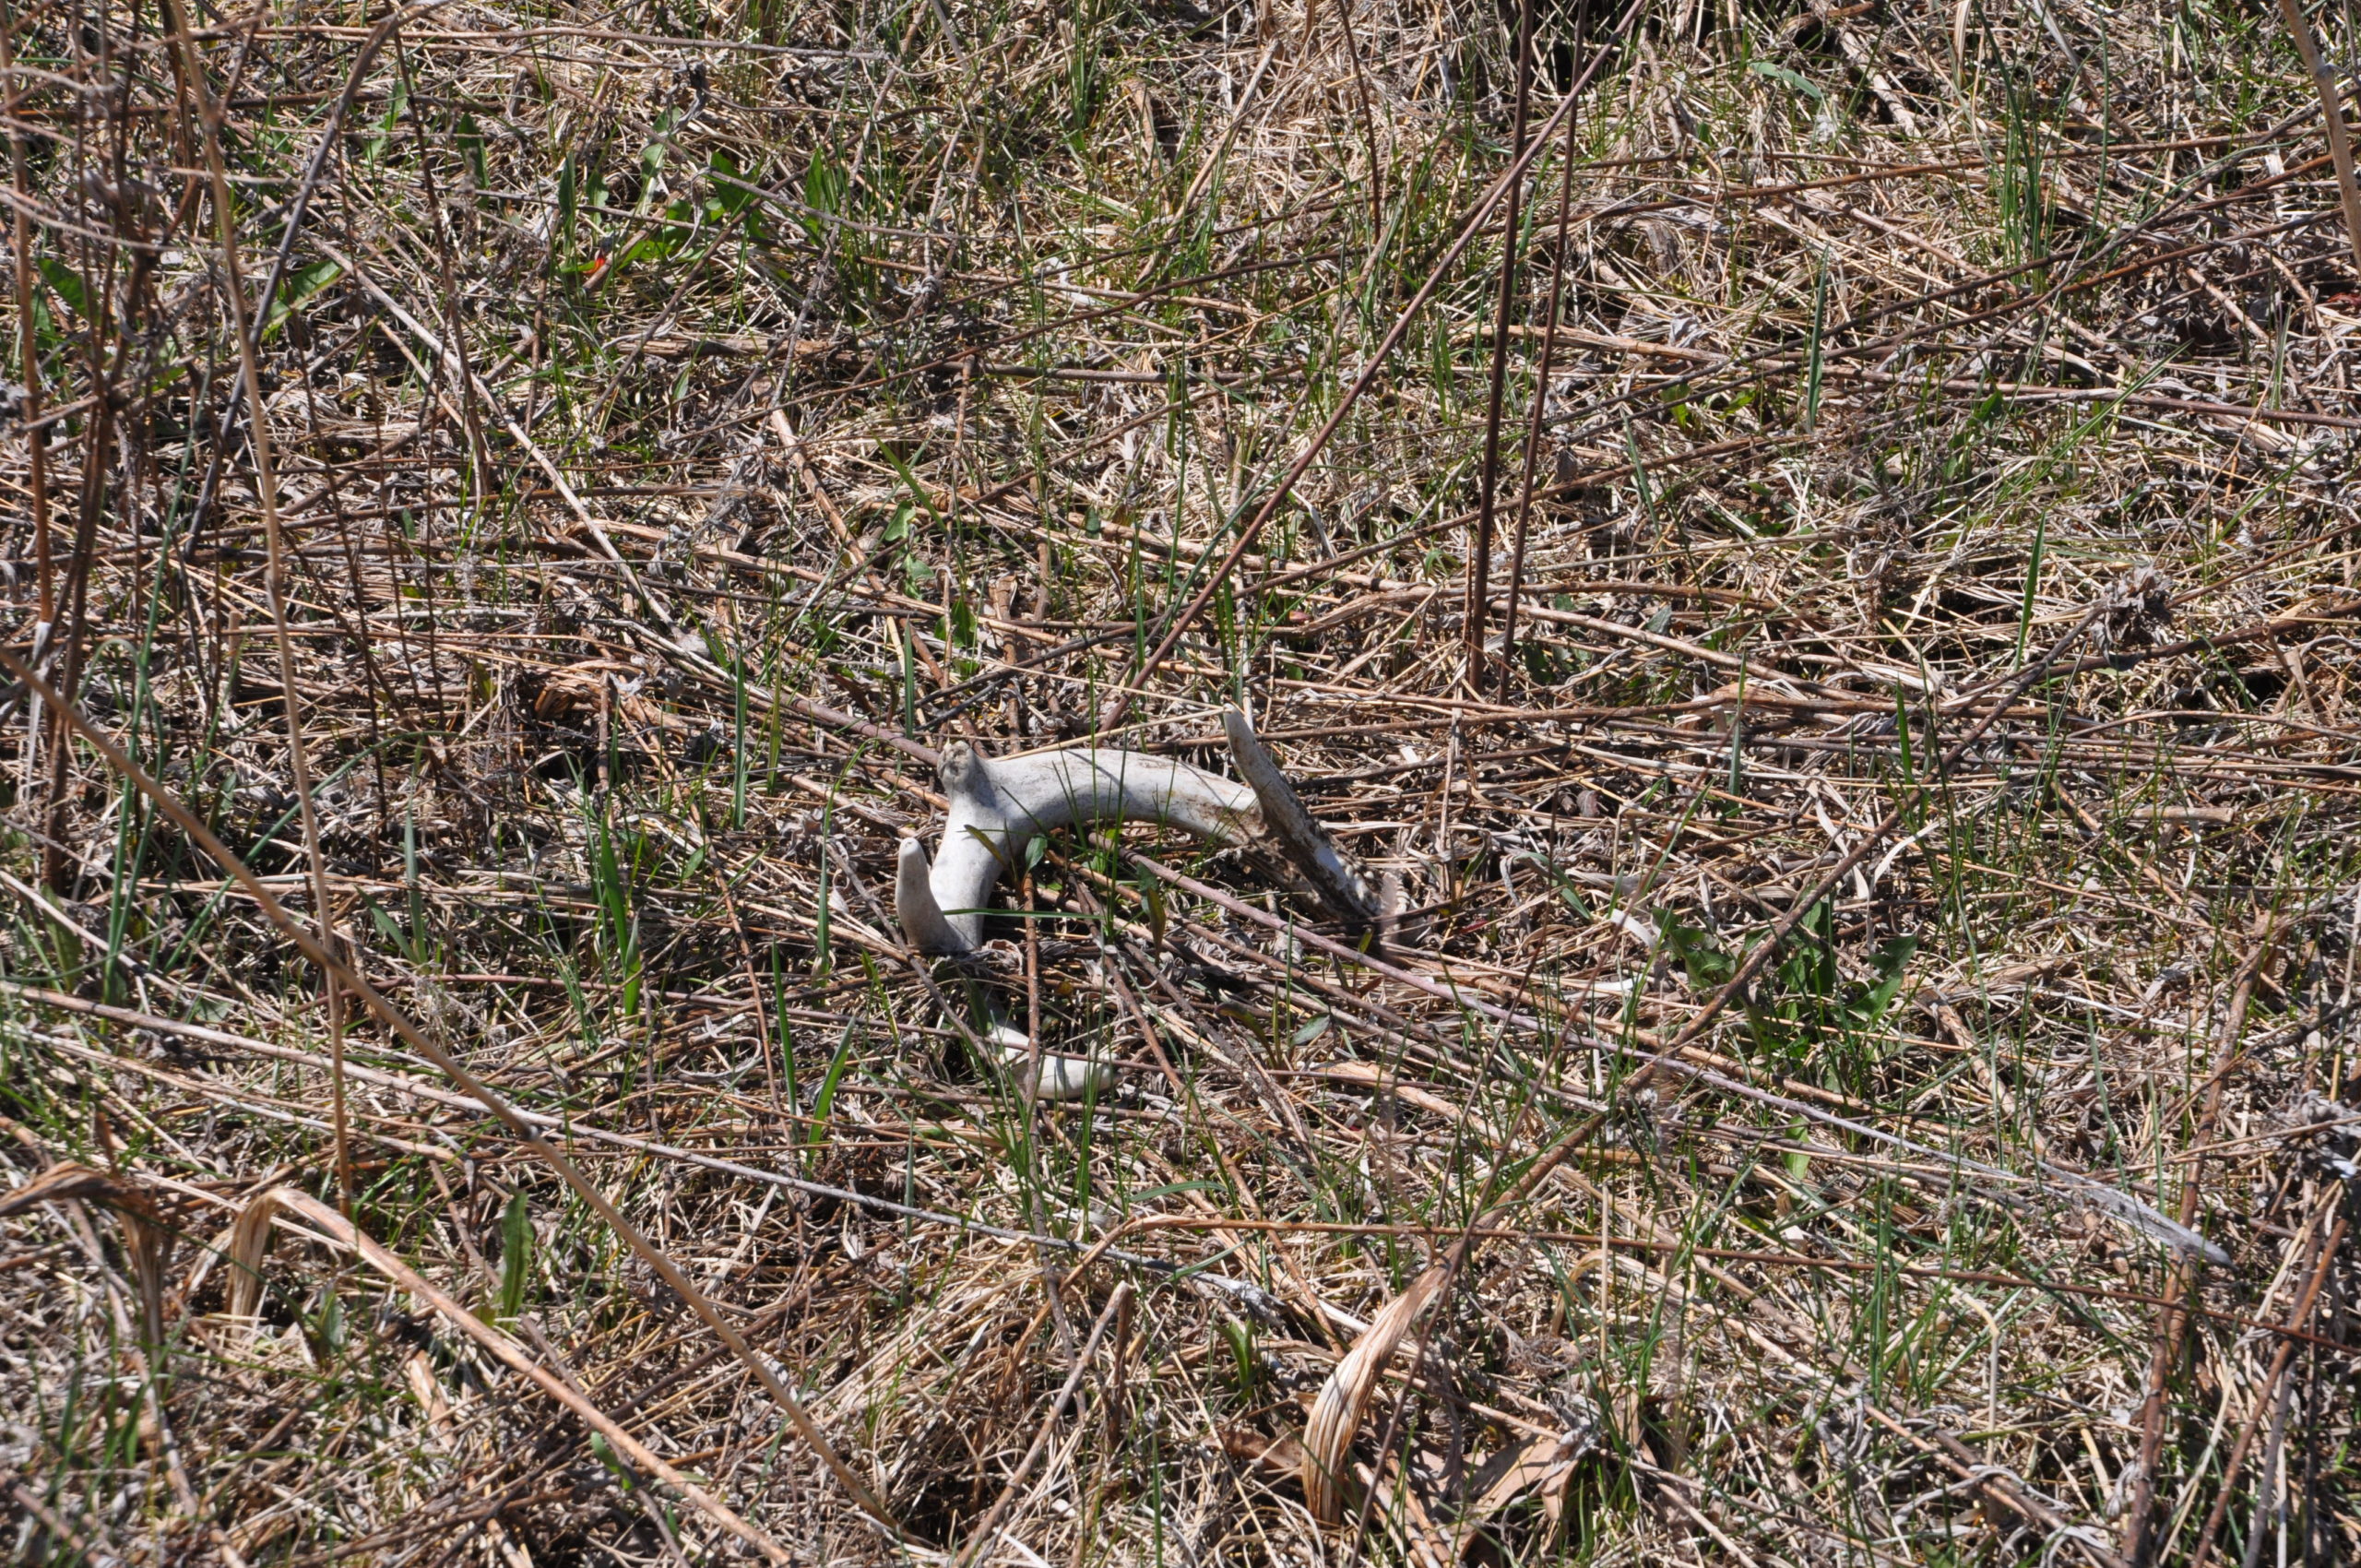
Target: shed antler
997, 805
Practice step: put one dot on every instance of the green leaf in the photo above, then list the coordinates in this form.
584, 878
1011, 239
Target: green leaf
1809, 968
396, 102
470, 139
1315, 1028
652, 156
1893, 958
1781, 74
822, 960
1240, 1339
646, 245
731, 198
515, 1255
605, 1453
567, 198
68, 283
825, 1102
824, 191
1172, 1188
299, 286
918, 492
1698, 957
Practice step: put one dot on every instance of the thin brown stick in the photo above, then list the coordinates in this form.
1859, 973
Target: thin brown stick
981, 1541
1369, 123
2172, 1323
1178, 623
209, 113
1539, 418
2297, 1317
28, 347
1480, 559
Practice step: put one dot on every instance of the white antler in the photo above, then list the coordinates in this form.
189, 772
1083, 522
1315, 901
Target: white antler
997, 805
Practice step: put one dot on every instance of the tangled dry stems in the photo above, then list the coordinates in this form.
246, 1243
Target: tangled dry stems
687, 426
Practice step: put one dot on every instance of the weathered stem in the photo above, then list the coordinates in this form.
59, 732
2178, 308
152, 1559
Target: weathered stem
2340, 145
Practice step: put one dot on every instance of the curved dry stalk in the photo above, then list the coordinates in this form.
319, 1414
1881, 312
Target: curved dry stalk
210, 115
147, 1239
59, 1182
1344, 1399
249, 1247
2340, 143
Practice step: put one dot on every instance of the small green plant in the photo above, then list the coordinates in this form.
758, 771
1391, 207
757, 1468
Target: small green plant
618, 924
1799, 1002
517, 1241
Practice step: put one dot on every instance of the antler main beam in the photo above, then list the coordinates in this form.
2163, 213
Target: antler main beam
996, 806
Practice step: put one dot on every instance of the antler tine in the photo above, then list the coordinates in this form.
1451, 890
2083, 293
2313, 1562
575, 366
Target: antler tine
1340, 883
915, 906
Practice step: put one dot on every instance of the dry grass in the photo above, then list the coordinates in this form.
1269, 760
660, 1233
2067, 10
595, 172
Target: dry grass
681, 426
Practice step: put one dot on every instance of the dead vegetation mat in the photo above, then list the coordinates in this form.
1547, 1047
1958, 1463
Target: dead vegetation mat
1825, 591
